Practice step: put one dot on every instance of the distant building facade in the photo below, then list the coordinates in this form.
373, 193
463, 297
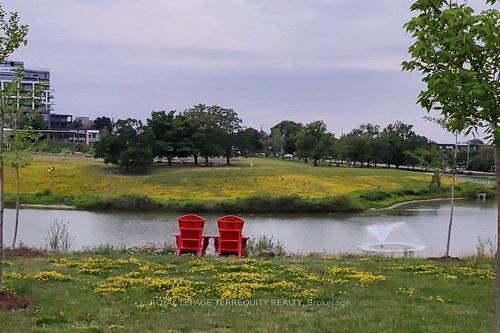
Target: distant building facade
72, 135
60, 127
34, 80
60, 121
474, 144
84, 122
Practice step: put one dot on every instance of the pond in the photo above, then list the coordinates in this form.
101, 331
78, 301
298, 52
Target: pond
423, 224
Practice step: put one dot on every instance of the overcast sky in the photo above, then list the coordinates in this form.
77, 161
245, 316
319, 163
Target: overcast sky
338, 60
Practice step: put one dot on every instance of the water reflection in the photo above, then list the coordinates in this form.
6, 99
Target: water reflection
427, 224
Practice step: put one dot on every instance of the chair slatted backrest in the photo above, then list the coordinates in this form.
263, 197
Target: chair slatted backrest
190, 231
230, 233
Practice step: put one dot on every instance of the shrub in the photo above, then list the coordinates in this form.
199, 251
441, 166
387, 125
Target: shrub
375, 196
125, 202
435, 185
58, 237
263, 246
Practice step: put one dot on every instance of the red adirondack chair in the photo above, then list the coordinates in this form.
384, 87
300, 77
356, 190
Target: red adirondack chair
230, 239
190, 239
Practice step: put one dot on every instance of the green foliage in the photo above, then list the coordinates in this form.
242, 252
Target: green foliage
435, 185
130, 147
413, 289
264, 246
32, 120
314, 142
124, 202
103, 124
283, 137
247, 141
458, 51
375, 195
59, 147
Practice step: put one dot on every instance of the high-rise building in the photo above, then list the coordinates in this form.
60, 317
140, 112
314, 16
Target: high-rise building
34, 80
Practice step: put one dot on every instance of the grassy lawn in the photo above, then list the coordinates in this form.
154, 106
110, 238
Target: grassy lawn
77, 176
79, 180
153, 293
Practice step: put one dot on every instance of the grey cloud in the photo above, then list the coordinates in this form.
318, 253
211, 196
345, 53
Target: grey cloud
298, 59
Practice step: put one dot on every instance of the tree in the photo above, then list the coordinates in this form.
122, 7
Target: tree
483, 159
284, 136
325, 147
12, 36
308, 139
356, 148
206, 135
19, 140
430, 157
103, 123
32, 120
18, 157
457, 51
399, 136
368, 129
129, 147
163, 126
229, 123
247, 141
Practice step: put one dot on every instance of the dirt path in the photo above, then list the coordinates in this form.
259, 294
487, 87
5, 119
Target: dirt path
399, 204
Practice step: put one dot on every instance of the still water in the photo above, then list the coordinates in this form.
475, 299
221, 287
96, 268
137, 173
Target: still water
426, 224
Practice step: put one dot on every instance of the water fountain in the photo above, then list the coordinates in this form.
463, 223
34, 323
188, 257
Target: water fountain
381, 233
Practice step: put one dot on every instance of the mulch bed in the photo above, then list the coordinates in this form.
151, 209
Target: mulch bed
10, 301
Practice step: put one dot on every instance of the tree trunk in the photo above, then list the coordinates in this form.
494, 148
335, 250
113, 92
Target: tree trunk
452, 201
228, 159
18, 204
206, 160
195, 159
497, 172
169, 160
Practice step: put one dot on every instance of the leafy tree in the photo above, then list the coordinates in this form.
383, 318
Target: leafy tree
483, 159
103, 123
12, 36
247, 141
129, 147
284, 136
308, 139
277, 141
229, 123
356, 148
19, 157
19, 140
206, 135
458, 53
430, 157
326, 147
381, 150
265, 142
163, 126
369, 129
33, 121
399, 137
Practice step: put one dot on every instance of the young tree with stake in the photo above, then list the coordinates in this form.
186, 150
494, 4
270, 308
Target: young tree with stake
457, 51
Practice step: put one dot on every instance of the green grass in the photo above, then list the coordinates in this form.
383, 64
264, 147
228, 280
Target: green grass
270, 185
366, 294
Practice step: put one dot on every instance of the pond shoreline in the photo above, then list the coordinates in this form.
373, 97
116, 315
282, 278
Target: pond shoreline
404, 203
165, 209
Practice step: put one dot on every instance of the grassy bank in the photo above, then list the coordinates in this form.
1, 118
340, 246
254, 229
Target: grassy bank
152, 293
267, 186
